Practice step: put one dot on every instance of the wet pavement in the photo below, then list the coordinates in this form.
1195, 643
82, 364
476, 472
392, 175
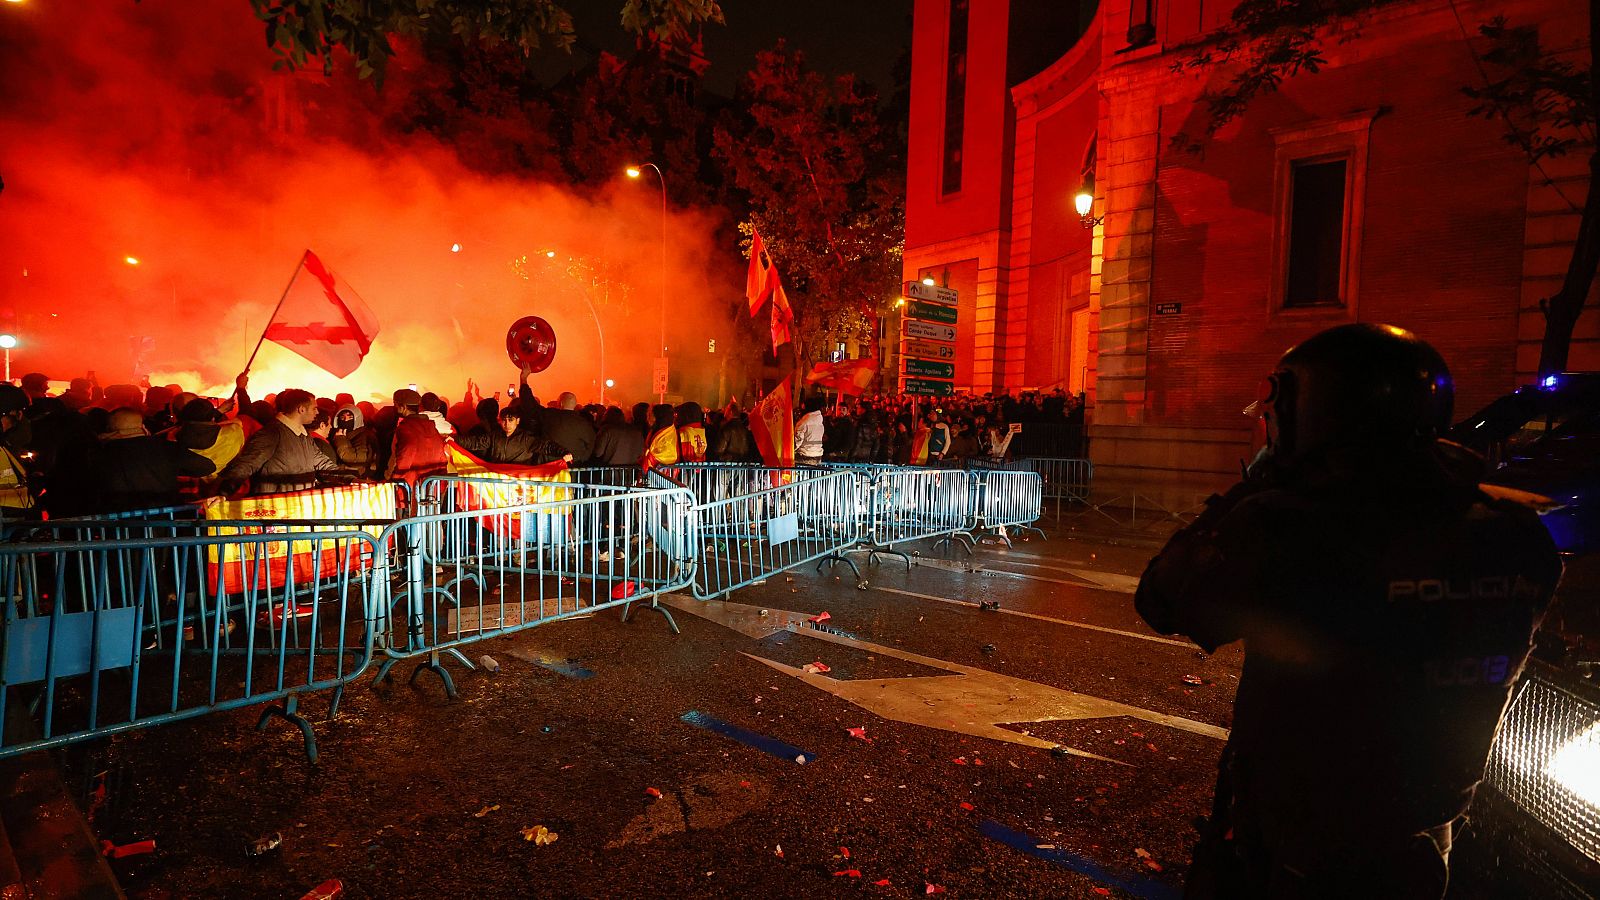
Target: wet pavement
907, 747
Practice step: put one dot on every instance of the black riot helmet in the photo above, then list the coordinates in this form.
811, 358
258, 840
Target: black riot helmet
1362, 385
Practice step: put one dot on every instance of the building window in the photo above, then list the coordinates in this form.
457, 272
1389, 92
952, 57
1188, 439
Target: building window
955, 97
1320, 188
1316, 232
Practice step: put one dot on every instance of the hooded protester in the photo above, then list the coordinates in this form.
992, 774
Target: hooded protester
355, 443
662, 448
204, 430
691, 433
135, 471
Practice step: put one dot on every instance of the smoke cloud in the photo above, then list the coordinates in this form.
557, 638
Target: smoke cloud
161, 183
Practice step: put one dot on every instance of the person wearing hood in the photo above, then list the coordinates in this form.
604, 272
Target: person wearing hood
133, 470
434, 409
355, 443
204, 430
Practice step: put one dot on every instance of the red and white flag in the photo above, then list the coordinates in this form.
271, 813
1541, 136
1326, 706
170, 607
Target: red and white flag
782, 315
850, 376
323, 320
762, 277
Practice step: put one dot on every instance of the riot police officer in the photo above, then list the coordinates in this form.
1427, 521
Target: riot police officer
1386, 601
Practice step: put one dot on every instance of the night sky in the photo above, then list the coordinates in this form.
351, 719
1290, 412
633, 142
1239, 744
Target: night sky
863, 37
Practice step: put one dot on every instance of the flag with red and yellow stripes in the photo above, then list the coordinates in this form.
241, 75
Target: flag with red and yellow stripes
274, 564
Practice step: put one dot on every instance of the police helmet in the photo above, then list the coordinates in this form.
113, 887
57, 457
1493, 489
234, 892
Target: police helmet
1357, 385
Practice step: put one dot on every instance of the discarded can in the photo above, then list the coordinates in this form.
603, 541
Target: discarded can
988, 648
489, 663
332, 889
1193, 679
989, 605
263, 846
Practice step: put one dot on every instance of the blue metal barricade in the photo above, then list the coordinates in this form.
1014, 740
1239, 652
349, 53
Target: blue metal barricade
913, 504
105, 635
485, 570
753, 522
1007, 500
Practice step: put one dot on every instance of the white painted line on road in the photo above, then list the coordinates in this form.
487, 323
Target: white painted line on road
1087, 578
1027, 615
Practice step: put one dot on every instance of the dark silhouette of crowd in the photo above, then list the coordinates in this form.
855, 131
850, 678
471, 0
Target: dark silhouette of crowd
93, 450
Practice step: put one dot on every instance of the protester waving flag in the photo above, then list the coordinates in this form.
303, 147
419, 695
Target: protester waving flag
321, 318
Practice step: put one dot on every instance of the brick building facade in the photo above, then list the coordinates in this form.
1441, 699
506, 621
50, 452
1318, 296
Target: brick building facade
1364, 192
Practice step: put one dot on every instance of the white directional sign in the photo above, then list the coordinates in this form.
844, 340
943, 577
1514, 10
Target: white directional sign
929, 331
933, 293
930, 350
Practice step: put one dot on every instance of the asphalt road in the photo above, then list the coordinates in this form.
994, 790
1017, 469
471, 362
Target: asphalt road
666, 765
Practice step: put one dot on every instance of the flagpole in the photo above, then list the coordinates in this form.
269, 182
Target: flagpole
281, 297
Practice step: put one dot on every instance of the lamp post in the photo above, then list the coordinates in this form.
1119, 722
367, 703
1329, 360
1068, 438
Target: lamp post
8, 341
635, 172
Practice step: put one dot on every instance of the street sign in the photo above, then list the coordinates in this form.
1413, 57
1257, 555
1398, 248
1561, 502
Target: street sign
1169, 309
934, 388
930, 369
932, 312
659, 376
933, 293
929, 332
930, 350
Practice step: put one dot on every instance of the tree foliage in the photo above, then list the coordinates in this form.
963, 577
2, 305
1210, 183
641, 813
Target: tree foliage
303, 31
1542, 100
820, 173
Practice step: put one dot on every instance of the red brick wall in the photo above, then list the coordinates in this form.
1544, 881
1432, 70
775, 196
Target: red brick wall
1441, 252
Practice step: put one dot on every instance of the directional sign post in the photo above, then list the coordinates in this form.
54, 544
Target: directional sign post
931, 312
930, 369
928, 331
916, 290
930, 350
933, 388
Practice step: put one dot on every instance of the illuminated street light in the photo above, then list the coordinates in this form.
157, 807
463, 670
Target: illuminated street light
7, 341
610, 383
131, 260
1084, 202
635, 172
928, 280
455, 248
551, 254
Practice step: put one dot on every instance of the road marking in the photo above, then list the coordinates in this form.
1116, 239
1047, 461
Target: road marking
1137, 885
1089, 578
969, 701
1153, 638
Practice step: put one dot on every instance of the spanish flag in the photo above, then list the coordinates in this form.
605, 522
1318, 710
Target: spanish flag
692, 443
508, 486
919, 445
663, 448
270, 564
772, 425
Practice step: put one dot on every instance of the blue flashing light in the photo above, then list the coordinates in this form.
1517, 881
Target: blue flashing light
1550, 382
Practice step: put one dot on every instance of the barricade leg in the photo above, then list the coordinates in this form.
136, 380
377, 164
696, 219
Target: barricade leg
837, 557
655, 604
874, 552
290, 712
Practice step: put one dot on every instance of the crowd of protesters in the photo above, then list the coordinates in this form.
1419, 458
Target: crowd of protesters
91, 450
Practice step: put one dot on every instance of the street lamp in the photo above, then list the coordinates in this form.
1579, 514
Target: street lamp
1084, 202
635, 172
7, 341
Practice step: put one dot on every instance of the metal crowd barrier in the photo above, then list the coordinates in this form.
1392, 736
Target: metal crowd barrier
1063, 479
752, 522
1008, 499
109, 634
913, 504
482, 570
